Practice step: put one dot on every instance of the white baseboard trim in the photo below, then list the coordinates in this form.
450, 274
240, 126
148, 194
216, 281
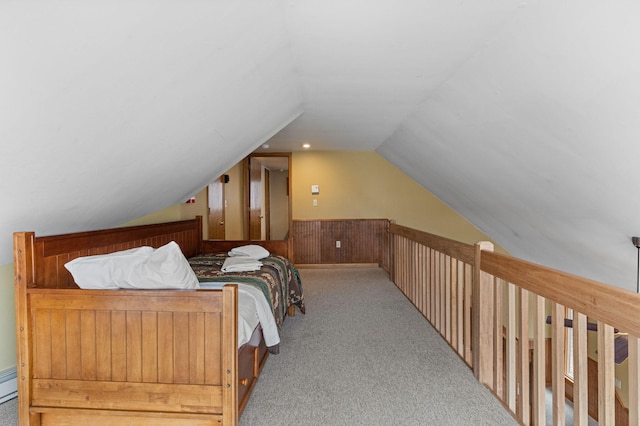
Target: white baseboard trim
8, 384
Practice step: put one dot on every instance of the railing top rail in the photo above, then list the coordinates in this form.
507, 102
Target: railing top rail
359, 219
615, 306
455, 249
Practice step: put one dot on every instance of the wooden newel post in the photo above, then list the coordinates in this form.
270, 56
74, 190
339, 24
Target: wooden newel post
482, 318
23, 274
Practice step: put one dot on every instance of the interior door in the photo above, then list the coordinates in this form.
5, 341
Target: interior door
255, 199
267, 205
216, 209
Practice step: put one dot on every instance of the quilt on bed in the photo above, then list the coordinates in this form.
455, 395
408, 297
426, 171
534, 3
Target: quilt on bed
278, 279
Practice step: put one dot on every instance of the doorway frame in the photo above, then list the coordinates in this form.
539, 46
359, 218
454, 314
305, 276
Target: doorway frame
246, 191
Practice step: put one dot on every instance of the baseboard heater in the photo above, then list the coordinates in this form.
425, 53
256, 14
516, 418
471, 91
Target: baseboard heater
8, 385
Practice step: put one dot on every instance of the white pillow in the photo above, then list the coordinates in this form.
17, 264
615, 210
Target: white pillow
141, 268
166, 268
251, 250
101, 271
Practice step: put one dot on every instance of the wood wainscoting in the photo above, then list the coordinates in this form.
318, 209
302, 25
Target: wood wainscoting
363, 241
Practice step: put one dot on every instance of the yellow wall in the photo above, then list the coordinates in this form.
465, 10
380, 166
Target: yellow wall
621, 370
169, 214
362, 184
7, 319
279, 205
182, 211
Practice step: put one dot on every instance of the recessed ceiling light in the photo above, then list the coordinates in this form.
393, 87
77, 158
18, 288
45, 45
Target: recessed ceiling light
306, 145
265, 145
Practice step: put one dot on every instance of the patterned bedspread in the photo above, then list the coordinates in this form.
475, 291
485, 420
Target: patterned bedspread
278, 279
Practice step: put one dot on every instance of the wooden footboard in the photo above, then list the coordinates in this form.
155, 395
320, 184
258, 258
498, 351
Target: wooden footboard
120, 356
131, 355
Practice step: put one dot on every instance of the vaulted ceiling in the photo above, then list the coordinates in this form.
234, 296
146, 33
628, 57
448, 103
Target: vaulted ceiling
521, 116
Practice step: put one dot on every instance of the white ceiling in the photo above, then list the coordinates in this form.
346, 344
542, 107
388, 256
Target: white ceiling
522, 116
274, 163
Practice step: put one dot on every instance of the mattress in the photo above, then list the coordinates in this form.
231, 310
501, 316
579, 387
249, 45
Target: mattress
253, 309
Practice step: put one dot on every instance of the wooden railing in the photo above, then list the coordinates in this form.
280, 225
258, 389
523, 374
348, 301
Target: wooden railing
493, 309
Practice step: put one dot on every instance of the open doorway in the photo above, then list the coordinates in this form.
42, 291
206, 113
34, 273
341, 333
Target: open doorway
268, 194
254, 201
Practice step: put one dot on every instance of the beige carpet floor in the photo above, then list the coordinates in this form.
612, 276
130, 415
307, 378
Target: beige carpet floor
363, 355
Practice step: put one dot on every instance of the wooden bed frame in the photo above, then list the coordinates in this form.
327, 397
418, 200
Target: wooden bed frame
129, 356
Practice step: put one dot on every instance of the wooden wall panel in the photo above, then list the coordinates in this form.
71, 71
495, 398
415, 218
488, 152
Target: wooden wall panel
134, 346
213, 344
331, 232
88, 344
73, 343
165, 347
149, 346
52, 252
42, 345
361, 240
196, 348
58, 358
181, 347
103, 345
306, 242
118, 346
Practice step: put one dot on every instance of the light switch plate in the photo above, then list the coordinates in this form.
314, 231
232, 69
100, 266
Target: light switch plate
315, 189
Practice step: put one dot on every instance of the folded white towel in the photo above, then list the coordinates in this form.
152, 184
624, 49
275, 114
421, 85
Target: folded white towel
241, 264
251, 250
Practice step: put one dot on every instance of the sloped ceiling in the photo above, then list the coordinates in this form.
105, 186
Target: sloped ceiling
522, 116
110, 110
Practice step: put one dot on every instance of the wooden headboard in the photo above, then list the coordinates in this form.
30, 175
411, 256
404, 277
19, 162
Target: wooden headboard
280, 247
46, 256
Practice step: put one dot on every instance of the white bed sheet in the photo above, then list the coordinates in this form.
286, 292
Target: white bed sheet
253, 309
